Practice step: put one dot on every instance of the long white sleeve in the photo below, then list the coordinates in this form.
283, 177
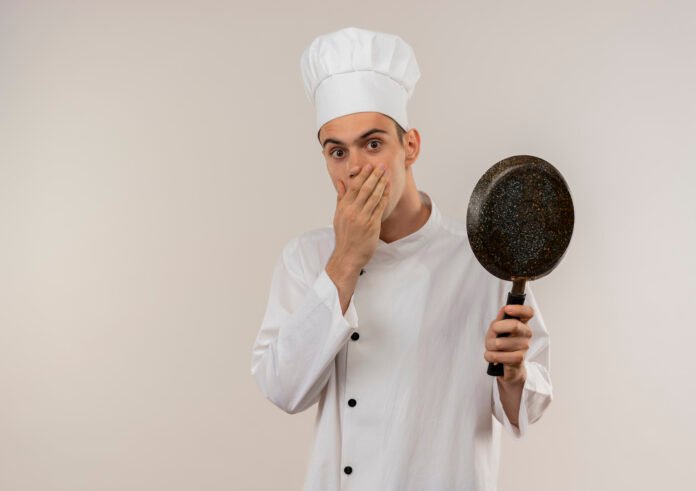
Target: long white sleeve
537, 393
302, 331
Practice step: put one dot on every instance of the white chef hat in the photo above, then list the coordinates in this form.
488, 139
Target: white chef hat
355, 70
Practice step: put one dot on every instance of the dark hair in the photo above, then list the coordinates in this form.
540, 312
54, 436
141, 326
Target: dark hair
400, 132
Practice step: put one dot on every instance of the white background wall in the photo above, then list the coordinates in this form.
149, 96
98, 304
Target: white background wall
155, 157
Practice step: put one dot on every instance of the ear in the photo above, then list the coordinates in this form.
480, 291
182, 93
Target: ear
412, 145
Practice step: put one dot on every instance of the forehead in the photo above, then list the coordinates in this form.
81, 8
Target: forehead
350, 126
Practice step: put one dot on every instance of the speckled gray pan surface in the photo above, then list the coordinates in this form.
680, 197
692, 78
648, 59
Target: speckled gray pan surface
520, 218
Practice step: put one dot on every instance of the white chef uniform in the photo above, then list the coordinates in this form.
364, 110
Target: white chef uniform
404, 401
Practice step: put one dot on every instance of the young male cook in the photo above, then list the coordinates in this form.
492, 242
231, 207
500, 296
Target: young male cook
386, 320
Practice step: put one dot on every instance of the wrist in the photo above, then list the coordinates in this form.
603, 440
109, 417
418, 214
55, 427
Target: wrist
341, 267
515, 383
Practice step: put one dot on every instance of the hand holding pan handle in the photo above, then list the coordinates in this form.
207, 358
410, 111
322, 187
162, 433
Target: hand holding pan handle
519, 223
496, 369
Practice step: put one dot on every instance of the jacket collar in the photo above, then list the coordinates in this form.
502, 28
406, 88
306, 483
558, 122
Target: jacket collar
408, 245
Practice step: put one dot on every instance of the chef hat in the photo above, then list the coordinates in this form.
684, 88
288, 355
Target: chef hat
355, 70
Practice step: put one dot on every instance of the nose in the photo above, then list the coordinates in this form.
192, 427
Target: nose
355, 167
346, 177
353, 170
354, 164
355, 161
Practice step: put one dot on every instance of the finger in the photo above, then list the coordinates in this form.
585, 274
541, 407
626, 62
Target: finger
491, 332
368, 187
384, 200
356, 182
513, 327
524, 312
341, 191
511, 343
376, 195
505, 357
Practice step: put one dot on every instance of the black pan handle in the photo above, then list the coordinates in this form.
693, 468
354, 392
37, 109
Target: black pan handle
497, 369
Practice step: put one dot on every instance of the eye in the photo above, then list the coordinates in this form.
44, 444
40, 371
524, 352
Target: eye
331, 153
369, 144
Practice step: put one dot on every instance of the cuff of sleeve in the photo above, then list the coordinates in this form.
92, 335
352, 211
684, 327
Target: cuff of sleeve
536, 396
328, 292
517, 431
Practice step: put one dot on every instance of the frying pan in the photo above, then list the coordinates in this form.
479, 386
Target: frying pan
519, 223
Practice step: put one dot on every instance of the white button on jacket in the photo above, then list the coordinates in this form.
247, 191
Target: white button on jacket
423, 414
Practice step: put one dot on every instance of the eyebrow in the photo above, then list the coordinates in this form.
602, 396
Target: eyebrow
361, 137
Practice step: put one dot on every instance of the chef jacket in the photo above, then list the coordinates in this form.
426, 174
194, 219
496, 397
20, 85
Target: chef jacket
404, 402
